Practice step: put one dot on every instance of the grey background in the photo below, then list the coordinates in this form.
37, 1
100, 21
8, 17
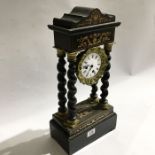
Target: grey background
28, 61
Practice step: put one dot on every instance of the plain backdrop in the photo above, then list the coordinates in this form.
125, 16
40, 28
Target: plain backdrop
28, 84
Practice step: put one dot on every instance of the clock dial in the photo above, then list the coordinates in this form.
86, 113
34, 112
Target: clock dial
91, 65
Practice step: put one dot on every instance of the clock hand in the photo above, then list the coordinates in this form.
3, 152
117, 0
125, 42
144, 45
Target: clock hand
85, 67
88, 71
90, 67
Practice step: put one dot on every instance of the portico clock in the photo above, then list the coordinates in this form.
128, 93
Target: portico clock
85, 36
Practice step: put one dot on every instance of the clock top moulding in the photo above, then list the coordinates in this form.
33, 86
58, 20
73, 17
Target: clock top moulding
83, 28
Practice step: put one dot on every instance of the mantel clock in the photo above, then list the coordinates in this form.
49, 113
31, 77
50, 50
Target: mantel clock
85, 36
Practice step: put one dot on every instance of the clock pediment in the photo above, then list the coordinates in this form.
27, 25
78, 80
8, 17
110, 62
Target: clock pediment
83, 16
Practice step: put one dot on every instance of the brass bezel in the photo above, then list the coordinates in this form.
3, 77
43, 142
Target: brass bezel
104, 62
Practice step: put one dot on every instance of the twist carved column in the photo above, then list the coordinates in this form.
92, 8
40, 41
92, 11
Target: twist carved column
71, 88
105, 78
61, 82
93, 94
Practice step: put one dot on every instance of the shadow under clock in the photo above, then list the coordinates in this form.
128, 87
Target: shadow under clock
31, 142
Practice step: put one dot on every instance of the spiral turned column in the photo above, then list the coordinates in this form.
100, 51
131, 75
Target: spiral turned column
93, 94
71, 88
106, 76
61, 82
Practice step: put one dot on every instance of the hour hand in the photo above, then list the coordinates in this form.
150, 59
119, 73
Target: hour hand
85, 67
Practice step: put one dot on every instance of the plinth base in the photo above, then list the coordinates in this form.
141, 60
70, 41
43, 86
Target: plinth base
94, 122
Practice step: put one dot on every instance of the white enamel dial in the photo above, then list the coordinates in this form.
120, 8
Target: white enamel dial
91, 65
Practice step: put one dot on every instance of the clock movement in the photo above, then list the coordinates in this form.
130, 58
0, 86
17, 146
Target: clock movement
83, 37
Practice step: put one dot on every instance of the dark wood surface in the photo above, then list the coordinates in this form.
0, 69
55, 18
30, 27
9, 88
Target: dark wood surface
72, 91
105, 80
61, 84
83, 16
93, 94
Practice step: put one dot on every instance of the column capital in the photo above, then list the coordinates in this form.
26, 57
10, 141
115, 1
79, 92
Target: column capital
72, 56
108, 46
60, 52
